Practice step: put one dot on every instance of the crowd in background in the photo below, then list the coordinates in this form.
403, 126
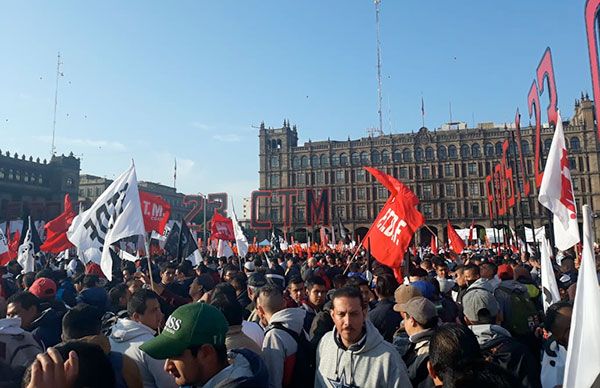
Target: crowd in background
331, 320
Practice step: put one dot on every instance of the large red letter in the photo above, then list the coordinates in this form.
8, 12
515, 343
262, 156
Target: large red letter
255, 221
545, 71
591, 15
533, 102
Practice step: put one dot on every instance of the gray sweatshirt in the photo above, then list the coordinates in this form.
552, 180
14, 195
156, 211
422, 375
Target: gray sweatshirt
372, 362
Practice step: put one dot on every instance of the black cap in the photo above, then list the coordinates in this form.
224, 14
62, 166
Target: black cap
257, 279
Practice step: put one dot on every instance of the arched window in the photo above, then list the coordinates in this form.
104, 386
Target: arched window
385, 156
324, 160
295, 162
499, 149
465, 151
406, 155
442, 153
364, 158
335, 160
304, 161
397, 156
343, 159
418, 154
475, 150
375, 157
452, 153
575, 144
429, 154
355, 159
488, 149
315, 161
525, 147
547, 144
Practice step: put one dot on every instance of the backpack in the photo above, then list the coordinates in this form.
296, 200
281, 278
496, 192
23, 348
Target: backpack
492, 351
523, 315
305, 365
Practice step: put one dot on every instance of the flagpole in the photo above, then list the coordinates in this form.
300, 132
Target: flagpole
147, 246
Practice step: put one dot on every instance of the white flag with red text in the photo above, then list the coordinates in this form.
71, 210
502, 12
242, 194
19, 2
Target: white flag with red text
556, 191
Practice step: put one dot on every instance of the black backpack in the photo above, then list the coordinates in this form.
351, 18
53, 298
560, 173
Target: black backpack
303, 375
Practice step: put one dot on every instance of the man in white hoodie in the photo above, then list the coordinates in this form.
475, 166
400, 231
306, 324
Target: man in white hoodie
129, 334
354, 354
283, 328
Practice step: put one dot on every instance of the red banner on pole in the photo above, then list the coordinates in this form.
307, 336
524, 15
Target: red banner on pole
156, 212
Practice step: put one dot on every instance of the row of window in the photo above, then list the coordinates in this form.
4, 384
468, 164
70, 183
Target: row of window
418, 154
21, 176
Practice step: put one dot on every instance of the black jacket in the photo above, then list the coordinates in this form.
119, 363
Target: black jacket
385, 319
416, 359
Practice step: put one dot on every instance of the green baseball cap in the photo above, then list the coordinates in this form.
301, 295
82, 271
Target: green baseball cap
190, 325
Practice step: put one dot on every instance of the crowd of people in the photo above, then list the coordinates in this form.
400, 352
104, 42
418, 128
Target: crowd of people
335, 319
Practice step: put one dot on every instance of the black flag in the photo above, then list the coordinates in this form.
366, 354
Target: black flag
35, 237
187, 243
172, 243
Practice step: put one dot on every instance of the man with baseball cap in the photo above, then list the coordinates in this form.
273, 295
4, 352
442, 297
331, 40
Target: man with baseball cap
420, 320
403, 294
193, 345
481, 310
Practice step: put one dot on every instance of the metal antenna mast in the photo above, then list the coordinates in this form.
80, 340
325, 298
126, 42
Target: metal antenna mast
379, 88
58, 75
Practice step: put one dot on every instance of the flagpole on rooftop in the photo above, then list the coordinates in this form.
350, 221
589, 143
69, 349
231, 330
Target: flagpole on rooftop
58, 75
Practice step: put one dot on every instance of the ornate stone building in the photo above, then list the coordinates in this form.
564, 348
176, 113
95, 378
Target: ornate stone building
446, 168
36, 187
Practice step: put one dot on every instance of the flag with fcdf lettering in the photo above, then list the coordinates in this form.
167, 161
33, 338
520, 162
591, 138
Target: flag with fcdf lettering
556, 191
115, 215
393, 228
455, 243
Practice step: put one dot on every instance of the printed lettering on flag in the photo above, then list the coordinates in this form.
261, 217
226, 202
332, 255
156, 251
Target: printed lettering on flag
221, 228
156, 212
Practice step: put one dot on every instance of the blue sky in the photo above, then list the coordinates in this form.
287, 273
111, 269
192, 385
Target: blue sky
155, 80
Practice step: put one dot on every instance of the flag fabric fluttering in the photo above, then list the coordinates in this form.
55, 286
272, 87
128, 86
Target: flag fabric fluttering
433, 244
221, 228
223, 249
4, 249
35, 236
172, 243
156, 212
455, 243
550, 293
582, 368
240, 239
26, 250
393, 228
187, 243
556, 191
115, 215
56, 229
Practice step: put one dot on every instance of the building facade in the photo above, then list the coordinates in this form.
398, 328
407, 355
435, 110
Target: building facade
446, 168
35, 187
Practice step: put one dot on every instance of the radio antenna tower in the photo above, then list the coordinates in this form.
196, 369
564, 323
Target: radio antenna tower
379, 88
58, 75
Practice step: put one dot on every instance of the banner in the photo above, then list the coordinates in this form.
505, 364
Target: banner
156, 212
56, 230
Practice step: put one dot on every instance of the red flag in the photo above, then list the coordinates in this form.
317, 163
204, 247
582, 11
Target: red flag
471, 230
433, 244
13, 245
455, 243
393, 228
221, 228
56, 230
156, 212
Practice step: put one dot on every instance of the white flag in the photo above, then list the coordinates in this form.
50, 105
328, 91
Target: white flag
224, 250
3, 243
550, 294
556, 191
25, 257
115, 215
582, 368
195, 258
240, 238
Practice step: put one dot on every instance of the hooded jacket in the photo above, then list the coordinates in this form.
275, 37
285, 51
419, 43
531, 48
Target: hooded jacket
126, 337
372, 362
416, 359
95, 296
17, 346
247, 370
279, 347
47, 328
499, 347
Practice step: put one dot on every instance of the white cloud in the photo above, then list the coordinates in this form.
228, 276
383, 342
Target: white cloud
202, 126
90, 143
228, 138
